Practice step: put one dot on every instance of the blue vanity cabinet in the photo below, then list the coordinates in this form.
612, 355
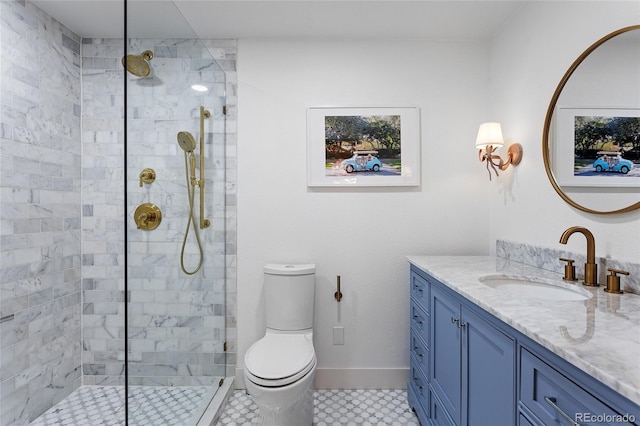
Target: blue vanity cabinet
473, 365
479, 371
471, 373
419, 320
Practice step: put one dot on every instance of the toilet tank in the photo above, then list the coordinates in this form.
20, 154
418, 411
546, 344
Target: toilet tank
289, 292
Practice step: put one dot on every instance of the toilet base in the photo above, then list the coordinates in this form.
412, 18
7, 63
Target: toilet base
290, 405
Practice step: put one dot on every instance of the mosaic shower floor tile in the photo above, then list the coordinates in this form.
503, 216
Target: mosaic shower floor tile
334, 408
104, 406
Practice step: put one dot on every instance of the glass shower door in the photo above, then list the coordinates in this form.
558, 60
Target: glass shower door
175, 202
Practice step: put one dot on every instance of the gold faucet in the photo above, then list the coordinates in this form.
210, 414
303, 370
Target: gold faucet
590, 268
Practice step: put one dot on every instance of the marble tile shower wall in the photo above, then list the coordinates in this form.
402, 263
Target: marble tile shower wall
177, 322
61, 246
40, 250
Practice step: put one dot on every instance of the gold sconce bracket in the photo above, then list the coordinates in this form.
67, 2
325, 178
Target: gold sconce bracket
147, 216
495, 162
514, 155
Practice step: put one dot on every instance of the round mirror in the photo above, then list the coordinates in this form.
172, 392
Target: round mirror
591, 135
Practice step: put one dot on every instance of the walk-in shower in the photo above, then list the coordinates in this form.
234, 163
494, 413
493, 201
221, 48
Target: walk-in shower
99, 323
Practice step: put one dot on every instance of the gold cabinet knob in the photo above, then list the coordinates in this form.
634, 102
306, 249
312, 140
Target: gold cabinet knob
147, 176
147, 216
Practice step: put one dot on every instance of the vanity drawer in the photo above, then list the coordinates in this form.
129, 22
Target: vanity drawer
420, 290
551, 396
420, 352
419, 321
420, 384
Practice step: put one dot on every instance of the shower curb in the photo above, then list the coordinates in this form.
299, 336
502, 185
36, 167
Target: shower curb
216, 406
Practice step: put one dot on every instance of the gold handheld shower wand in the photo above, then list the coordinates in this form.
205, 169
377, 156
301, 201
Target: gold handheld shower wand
188, 144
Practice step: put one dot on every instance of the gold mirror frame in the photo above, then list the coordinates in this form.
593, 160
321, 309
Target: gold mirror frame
549, 116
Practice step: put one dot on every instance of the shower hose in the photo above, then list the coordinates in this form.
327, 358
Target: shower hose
191, 190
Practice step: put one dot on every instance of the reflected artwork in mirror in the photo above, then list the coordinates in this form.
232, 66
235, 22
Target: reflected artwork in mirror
582, 127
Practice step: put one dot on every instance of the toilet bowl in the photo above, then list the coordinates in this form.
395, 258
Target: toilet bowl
279, 368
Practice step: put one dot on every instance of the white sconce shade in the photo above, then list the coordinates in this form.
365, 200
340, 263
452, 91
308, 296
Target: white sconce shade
489, 133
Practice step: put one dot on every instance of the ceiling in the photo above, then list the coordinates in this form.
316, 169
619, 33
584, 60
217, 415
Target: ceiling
303, 19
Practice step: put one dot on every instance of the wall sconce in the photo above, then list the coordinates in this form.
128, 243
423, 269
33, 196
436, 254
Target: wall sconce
489, 139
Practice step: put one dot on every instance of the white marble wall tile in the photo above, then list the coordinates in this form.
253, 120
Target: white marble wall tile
158, 108
40, 289
76, 198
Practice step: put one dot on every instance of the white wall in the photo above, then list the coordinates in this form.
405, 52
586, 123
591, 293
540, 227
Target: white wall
527, 65
456, 86
362, 235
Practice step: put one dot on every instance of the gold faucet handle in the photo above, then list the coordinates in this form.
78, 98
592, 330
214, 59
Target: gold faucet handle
613, 280
569, 270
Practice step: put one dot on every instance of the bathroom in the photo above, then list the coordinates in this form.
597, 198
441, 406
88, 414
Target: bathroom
457, 82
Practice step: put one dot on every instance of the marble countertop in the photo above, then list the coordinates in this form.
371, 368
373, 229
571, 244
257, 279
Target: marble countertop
600, 336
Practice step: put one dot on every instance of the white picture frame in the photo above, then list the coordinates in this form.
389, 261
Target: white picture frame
384, 142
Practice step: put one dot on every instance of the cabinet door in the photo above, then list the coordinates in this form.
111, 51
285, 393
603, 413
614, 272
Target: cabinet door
445, 351
489, 360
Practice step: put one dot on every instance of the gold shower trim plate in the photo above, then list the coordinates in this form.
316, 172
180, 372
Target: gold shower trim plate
147, 216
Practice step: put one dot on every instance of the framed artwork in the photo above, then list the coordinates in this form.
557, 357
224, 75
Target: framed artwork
597, 147
366, 146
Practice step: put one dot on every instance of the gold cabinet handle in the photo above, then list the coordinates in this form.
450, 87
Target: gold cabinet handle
147, 216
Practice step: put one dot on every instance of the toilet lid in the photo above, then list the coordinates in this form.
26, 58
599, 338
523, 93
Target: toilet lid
277, 356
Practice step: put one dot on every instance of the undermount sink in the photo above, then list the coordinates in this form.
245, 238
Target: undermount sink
533, 288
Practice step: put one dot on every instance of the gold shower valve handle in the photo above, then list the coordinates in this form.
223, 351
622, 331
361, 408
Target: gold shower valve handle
147, 176
147, 216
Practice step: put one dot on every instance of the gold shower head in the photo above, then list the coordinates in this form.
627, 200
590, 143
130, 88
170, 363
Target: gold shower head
138, 65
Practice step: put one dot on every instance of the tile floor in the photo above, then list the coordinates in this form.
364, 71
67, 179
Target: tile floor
335, 408
104, 406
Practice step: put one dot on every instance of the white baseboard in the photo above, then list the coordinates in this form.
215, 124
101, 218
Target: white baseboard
353, 378
361, 378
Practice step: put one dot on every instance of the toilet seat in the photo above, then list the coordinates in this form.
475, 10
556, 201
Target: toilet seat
279, 359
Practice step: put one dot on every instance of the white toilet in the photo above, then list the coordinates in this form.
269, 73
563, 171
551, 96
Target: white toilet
279, 368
